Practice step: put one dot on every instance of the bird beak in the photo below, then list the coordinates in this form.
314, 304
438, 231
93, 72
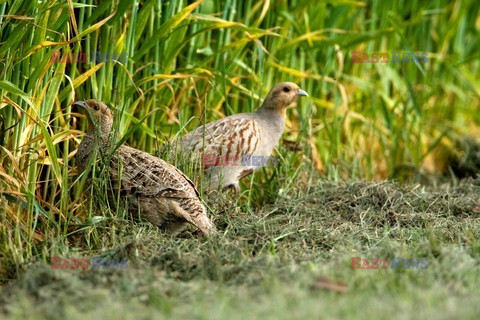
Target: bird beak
78, 104
302, 93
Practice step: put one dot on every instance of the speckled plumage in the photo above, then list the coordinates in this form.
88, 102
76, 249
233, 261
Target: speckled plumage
160, 192
254, 134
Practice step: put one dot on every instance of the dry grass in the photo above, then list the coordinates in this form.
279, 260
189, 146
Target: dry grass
268, 262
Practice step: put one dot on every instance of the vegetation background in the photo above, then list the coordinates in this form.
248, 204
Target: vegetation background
190, 62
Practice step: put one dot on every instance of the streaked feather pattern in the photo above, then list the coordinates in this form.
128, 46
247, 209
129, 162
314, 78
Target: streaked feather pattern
240, 135
159, 191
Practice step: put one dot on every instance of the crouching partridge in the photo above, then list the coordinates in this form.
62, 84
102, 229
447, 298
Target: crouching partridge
229, 146
161, 193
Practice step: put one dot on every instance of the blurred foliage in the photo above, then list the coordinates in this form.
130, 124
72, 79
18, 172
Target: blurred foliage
191, 62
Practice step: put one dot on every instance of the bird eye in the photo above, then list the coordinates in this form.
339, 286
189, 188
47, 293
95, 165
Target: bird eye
286, 89
96, 108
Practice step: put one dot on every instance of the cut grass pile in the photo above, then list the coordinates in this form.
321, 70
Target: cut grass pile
289, 259
195, 61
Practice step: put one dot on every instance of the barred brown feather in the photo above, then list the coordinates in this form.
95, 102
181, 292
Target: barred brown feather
159, 191
241, 135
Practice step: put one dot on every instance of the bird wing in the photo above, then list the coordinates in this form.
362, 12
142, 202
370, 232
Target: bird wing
144, 174
149, 178
188, 180
234, 136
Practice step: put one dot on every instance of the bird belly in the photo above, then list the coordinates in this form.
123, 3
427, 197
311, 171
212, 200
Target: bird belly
223, 176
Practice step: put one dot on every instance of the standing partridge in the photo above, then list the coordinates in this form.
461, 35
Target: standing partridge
161, 193
234, 147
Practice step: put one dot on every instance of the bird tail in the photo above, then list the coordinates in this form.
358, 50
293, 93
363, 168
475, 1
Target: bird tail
193, 211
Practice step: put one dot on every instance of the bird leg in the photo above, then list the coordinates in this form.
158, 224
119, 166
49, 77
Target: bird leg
236, 187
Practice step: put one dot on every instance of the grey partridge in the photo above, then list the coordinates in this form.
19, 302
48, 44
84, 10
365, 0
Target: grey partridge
235, 146
160, 192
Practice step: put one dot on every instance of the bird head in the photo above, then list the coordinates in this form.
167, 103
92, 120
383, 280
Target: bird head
99, 116
282, 95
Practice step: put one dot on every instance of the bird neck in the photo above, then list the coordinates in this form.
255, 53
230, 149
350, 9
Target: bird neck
101, 135
273, 114
274, 122
95, 139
